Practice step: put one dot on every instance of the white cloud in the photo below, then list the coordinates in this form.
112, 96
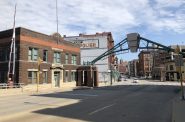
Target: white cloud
90, 16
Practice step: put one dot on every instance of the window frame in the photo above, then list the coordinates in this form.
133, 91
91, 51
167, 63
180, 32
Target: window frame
33, 78
66, 58
74, 59
45, 77
57, 57
33, 54
45, 56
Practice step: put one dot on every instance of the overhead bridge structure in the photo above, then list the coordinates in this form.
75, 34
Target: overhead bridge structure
132, 43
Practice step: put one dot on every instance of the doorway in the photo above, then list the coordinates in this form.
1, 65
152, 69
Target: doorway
57, 78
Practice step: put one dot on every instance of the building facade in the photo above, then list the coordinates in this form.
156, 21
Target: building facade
145, 63
133, 68
122, 67
158, 68
91, 47
171, 68
59, 59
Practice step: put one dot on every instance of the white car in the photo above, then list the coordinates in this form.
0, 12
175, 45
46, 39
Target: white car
135, 80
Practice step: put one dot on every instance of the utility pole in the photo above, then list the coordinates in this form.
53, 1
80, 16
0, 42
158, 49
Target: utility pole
11, 62
179, 63
57, 21
38, 73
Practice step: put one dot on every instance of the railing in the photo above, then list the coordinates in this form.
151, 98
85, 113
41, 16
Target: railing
15, 85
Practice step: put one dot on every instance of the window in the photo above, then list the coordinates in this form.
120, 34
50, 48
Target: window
45, 56
4, 54
1, 55
73, 76
33, 54
66, 58
73, 60
32, 77
3, 77
171, 67
57, 57
45, 76
66, 76
183, 50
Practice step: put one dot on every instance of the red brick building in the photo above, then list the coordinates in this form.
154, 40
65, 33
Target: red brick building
60, 58
145, 63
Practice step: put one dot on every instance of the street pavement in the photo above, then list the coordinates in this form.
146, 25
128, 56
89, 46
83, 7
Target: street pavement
122, 102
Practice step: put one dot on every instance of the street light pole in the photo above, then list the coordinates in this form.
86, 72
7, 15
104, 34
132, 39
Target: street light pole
182, 88
38, 73
179, 63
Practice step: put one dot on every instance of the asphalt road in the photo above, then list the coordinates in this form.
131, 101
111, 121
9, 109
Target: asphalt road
128, 103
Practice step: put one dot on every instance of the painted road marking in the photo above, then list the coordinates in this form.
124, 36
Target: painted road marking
101, 109
75, 94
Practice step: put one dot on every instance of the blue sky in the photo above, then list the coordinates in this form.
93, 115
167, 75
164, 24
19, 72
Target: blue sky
162, 21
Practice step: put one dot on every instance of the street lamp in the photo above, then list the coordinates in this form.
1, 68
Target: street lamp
39, 61
179, 64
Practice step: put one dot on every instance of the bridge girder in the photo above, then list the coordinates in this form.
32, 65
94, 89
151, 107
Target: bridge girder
134, 41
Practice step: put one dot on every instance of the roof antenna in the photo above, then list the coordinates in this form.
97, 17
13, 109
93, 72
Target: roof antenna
57, 21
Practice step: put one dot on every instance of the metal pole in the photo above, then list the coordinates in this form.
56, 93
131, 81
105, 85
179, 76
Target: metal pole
57, 21
110, 74
182, 89
38, 74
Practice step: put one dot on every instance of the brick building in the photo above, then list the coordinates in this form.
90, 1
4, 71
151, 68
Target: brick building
158, 68
133, 68
61, 59
145, 63
172, 71
122, 67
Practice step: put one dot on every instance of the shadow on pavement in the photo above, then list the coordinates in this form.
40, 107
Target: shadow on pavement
117, 103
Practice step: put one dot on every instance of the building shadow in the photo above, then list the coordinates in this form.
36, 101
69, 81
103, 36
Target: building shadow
93, 100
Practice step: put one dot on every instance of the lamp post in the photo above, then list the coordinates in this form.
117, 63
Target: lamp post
38, 73
179, 63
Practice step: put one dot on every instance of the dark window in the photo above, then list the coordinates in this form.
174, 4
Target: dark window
66, 76
45, 76
32, 77
171, 67
45, 55
73, 75
3, 77
183, 50
4, 54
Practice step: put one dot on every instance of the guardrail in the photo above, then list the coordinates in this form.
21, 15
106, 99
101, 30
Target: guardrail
15, 85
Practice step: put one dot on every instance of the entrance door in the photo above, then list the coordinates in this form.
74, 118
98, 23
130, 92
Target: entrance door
57, 79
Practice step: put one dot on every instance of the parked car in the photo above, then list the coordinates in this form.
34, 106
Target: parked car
135, 80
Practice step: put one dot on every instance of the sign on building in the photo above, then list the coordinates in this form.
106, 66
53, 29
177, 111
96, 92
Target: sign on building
89, 43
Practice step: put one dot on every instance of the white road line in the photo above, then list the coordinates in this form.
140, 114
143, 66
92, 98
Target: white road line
91, 95
101, 109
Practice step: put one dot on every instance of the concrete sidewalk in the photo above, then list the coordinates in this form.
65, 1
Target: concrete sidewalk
32, 89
